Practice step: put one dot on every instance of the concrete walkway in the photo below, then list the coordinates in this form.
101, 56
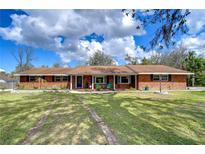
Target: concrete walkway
92, 92
110, 137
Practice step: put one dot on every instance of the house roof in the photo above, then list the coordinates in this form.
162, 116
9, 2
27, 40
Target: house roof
45, 71
106, 70
101, 70
156, 69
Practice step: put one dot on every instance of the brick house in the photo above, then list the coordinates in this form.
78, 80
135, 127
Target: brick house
137, 77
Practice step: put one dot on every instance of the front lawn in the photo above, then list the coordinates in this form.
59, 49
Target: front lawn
134, 118
147, 118
67, 122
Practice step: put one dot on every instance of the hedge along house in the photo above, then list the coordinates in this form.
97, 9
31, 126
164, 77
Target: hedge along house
106, 77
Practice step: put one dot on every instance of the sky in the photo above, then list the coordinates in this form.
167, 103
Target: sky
69, 37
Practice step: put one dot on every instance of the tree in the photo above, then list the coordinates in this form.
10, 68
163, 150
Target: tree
100, 58
24, 58
169, 23
155, 58
44, 66
174, 58
145, 61
57, 65
195, 65
131, 60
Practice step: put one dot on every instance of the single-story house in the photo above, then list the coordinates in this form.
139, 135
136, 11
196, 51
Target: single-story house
137, 77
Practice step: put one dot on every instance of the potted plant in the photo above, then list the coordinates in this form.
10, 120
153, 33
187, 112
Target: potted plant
146, 88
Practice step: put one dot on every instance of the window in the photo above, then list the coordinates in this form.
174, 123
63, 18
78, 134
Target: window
57, 78
99, 79
163, 77
65, 78
156, 77
124, 79
31, 78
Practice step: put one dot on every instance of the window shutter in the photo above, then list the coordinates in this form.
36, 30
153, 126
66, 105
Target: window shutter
170, 77
116, 78
151, 77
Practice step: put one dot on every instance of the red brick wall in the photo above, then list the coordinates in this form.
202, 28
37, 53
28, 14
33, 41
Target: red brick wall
48, 84
49, 78
87, 81
23, 78
177, 82
122, 86
110, 79
45, 85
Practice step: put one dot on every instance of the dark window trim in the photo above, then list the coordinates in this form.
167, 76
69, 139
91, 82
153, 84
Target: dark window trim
160, 75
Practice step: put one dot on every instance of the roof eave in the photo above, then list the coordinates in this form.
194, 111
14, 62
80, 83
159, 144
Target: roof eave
167, 73
39, 74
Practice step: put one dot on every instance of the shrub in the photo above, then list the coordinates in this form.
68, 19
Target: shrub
63, 87
146, 88
20, 86
98, 87
54, 88
2, 87
35, 87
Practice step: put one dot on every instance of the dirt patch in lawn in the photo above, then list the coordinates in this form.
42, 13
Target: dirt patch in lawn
110, 137
38, 126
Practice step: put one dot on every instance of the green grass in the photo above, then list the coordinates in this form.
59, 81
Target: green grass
67, 122
147, 118
134, 117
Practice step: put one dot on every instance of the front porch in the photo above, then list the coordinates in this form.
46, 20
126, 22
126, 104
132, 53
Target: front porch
102, 82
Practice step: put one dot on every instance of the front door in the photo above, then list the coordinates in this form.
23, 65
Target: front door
79, 81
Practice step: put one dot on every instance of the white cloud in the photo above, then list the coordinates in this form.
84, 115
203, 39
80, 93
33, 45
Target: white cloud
196, 21
195, 43
44, 28
117, 47
2, 70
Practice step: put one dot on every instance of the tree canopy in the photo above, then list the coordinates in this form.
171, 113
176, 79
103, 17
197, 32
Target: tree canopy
169, 23
24, 59
100, 58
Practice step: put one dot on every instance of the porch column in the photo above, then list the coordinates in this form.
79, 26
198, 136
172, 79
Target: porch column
82, 82
92, 82
71, 80
114, 82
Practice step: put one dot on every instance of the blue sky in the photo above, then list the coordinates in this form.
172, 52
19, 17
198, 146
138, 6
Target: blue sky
71, 36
